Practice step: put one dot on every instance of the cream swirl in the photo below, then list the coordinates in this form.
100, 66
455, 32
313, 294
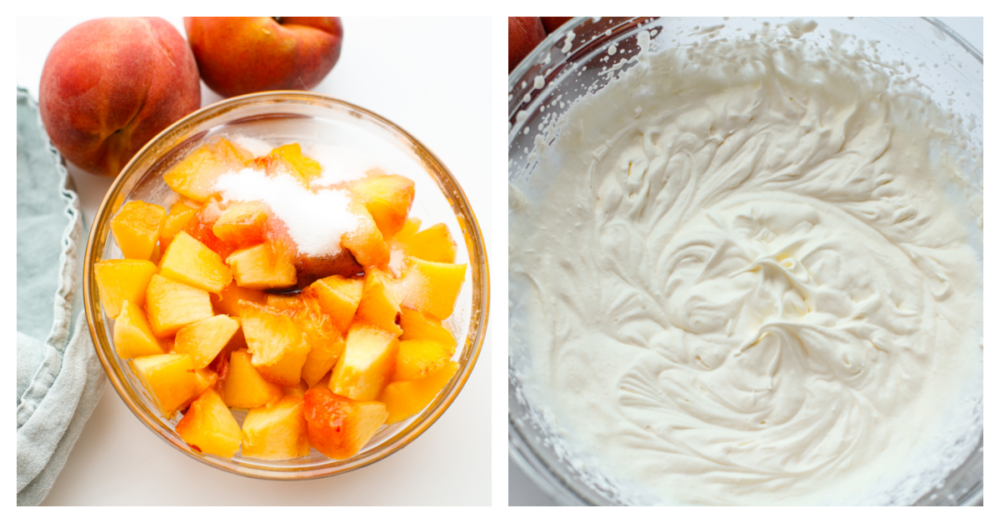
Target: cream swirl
763, 293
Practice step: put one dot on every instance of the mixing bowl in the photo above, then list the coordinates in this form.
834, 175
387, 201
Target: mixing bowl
310, 119
574, 60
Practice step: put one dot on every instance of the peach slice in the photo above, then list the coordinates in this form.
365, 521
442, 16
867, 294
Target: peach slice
180, 214
339, 297
189, 261
209, 427
172, 305
431, 287
379, 304
276, 431
418, 358
136, 229
204, 379
324, 339
265, 266
405, 398
242, 224
305, 169
229, 301
388, 199
367, 364
200, 228
194, 176
122, 280
132, 335
340, 427
419, 326
366, 242
433, 244
244, 388
203, 340
169, 379
276, 342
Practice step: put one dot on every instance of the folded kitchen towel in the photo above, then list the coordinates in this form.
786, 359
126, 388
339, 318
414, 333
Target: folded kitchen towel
59, 377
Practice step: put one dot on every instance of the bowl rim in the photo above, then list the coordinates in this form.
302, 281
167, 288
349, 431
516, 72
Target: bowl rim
519, 450
478, 263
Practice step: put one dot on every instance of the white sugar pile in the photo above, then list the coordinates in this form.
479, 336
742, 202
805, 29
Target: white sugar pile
315, 220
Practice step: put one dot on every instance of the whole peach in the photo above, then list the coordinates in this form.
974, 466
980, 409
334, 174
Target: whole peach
523, 34
240, 55
551, 23
110, 85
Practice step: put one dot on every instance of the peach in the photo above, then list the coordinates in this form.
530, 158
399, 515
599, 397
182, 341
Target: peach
523, 34
240, 55
340, 427
110, 85
551, 23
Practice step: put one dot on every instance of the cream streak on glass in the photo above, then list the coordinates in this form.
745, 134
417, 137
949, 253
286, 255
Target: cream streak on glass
746, 272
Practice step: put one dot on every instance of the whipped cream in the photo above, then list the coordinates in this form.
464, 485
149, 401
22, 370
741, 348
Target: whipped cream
749, 272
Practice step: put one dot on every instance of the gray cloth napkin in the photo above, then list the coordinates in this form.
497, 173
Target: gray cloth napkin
59, 377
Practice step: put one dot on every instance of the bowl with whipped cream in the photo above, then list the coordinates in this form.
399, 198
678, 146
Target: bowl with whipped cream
746, 262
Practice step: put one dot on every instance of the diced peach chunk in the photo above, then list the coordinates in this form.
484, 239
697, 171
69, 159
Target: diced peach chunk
203, 340
276, 342
410, 228
276, 431
136, 229
431, 287
265, 266
169, 379
340, 427
406, 398
200, 228
229, 301
189, 261
387, 198
433, 244
379, 304
204, 379
305, 169
209, 427
194, 177
180, 214
324, 339
132, 335
121, 280
419, 326
244, 388
172, 305
418, 358
242, 224
367, 364
339, 297
366, 242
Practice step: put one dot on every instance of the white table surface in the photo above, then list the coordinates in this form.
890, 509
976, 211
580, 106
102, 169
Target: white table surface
520, 490
412, 74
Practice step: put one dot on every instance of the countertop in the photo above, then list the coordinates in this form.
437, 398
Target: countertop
415, 75
520, 490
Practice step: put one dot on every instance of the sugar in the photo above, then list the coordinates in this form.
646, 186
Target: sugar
340, 164
315, 220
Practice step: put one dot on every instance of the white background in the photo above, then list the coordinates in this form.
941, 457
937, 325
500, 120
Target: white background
412, 74
521, 490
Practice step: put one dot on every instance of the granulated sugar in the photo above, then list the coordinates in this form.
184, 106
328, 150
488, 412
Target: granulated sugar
315, 220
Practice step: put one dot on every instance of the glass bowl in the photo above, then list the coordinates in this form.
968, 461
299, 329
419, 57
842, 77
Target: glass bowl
309, 119
546, 83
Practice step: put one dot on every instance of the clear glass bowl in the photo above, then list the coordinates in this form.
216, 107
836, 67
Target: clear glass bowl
309, 119
950, 69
